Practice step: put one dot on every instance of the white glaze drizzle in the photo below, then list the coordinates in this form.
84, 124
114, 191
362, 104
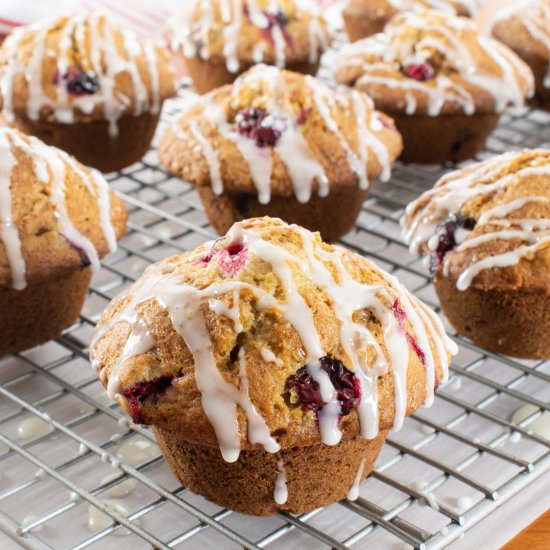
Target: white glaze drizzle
219, 398
186, 33
209, 154
353, 493
292, 147
183, 302
534, 16
379, 57
106, 61
455, 190
280, 495
50, 166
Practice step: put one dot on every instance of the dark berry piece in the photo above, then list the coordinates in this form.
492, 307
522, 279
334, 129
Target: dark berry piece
83, 84
274, 20
446, 232
78, 82
252, 123
207, 259
303, 115
401, 316
141, 391
84, 260
419, 71
278, 19
346, 384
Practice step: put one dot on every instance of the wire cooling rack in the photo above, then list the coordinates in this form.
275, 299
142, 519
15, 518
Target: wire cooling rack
448, 468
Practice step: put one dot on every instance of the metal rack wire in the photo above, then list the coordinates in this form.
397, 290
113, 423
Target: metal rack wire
464, 454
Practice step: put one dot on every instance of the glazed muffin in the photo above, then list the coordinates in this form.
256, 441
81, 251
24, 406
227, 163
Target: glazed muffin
85, 85
487, 231
525, 28
281, 144
364, 18
443, 84
218, 41
270, 365
57, 219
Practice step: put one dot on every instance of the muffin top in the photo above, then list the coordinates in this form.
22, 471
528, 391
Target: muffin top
431, 63
525, 27
275, 131
383, 9
55, 214
81, 68
270, 337
488, 226
243, 32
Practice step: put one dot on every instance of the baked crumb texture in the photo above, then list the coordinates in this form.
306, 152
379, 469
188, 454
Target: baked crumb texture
486, 230
266, 344
85, 85
430, 63
79, 69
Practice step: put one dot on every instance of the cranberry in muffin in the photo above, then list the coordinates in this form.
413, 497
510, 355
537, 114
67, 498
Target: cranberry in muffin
282, 144
486, 230
443, 83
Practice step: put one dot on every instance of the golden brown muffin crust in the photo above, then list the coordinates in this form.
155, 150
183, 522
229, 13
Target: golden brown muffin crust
263, 328
293, 97
520, 179
45, 250
203, 29
524, 28
385, 9
38, 61
433, 63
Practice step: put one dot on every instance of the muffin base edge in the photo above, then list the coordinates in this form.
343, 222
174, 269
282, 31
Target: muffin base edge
511, 322
315, 476
41, 311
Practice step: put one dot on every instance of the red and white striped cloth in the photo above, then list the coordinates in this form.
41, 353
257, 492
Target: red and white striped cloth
145, 17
